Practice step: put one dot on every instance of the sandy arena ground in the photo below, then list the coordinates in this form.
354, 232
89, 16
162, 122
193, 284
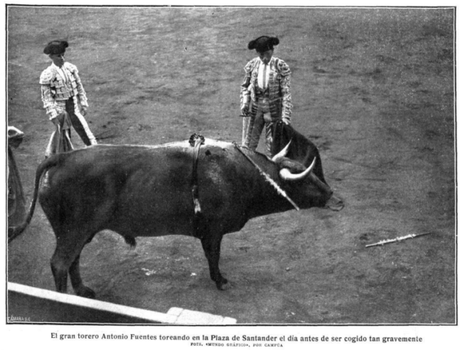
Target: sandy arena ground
373, 88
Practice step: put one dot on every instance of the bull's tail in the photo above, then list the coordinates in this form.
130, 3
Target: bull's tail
48, 163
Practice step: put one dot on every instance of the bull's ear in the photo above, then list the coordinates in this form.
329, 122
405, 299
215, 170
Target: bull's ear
292, 165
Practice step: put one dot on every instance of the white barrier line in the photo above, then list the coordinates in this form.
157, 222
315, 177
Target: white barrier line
91, 303
174, 316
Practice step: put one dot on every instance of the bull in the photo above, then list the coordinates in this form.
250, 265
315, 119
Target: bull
150, 191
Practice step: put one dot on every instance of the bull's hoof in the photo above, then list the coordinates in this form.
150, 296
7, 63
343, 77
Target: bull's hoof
334, 203
220, 284
86, 292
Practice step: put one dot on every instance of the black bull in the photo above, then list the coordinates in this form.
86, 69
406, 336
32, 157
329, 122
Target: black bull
147, 191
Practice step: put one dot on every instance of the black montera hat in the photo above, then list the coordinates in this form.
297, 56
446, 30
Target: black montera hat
263, 43
56, 47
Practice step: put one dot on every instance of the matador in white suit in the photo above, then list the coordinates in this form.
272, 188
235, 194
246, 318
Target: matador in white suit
63, 95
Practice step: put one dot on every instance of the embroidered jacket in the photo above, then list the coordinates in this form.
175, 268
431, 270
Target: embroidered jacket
60, 84
278, 90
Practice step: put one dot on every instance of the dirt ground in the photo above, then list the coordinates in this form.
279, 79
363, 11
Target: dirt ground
373, 88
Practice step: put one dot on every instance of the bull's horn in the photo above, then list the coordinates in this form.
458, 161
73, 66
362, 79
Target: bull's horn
288, 176
281, 153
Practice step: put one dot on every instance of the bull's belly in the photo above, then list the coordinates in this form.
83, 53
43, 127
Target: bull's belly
152, 225
179, 222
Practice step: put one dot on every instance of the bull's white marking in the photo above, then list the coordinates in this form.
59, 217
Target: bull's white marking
207, 142
178, 144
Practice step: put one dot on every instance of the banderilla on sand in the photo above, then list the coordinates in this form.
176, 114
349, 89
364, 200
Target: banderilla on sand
397, 239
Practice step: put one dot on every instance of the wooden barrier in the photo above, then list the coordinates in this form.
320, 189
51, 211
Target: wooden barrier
34, 305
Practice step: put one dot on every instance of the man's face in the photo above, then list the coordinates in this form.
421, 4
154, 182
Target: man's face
58, 59
265, 56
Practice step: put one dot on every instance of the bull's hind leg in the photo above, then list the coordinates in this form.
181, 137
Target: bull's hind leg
77, 283
211, 246
66, 259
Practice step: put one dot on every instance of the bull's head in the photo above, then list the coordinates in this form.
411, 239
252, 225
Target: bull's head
293, 170
287, 166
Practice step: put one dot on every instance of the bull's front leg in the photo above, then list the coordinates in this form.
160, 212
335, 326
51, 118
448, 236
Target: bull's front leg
211, 245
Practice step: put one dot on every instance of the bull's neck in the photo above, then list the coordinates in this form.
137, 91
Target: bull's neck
267, 199
276, 205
